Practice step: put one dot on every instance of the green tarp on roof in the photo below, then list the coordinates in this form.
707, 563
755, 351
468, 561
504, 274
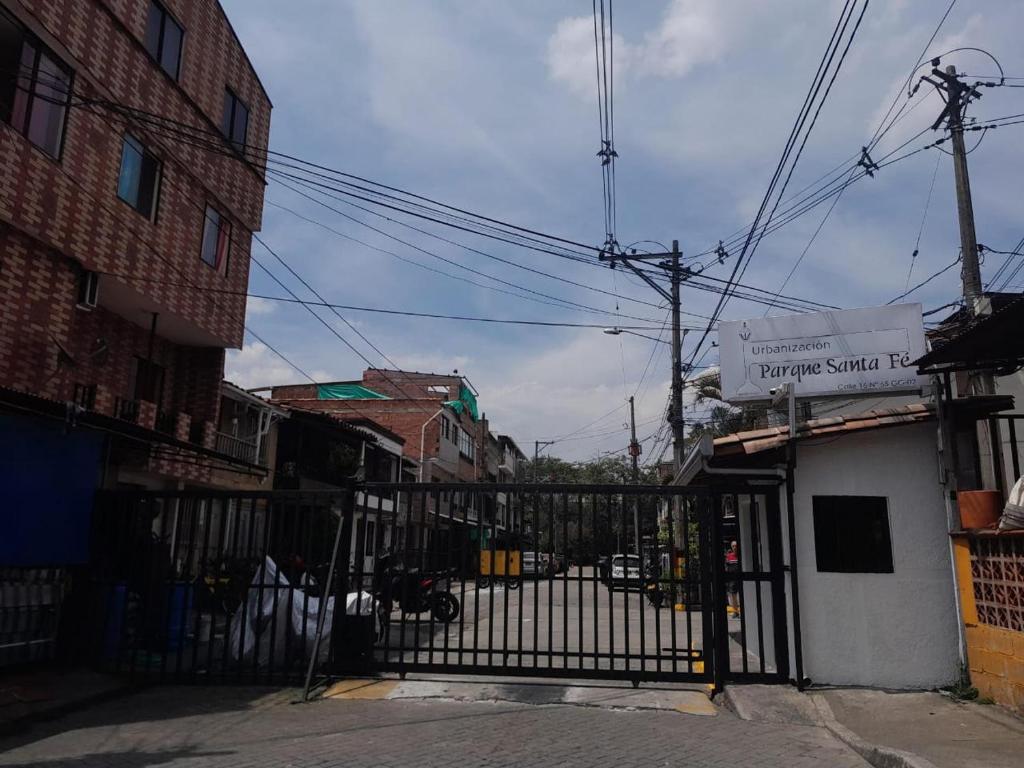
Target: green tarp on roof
347, 392
466, 402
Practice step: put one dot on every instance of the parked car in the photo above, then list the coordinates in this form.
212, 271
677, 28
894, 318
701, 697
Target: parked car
625, 571
604, 569
533, 565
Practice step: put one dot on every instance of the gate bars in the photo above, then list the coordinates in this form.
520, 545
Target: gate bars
578, 581
532, 568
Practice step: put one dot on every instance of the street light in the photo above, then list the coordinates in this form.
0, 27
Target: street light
617, 331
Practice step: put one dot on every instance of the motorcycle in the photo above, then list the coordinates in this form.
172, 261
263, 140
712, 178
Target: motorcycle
413, 590
652, 585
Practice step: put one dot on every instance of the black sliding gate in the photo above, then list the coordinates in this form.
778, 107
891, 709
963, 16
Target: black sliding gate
604, 582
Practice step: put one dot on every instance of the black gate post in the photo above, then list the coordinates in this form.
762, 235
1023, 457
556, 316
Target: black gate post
778, 582
715, 615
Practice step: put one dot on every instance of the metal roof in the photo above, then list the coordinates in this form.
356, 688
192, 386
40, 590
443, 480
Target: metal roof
990, 342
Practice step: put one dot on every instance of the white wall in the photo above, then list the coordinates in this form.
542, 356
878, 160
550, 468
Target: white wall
892, 630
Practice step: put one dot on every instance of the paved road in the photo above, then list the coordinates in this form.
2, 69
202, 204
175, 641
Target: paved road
571, 621
246, 728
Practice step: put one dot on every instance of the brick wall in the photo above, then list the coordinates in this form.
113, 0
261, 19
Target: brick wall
989, 604
71, 205
102, 346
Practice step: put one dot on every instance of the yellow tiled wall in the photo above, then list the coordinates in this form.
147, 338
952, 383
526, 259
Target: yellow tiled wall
996, 655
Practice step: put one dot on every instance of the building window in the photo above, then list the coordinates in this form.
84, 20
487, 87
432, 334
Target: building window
235, 122
35, 87
163, 39
139, 181
851, 534
466, 445
216, 238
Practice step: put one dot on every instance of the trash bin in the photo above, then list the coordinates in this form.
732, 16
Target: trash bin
357, 629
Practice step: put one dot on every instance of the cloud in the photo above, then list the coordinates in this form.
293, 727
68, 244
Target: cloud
256, 365
691, 32
258, 306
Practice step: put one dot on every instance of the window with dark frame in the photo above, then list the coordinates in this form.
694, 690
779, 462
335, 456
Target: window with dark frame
138, 183
164, 37
35, 87
235, 121
216, 239
851, 534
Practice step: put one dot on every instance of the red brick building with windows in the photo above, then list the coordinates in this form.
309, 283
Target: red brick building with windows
124, 242
411, 404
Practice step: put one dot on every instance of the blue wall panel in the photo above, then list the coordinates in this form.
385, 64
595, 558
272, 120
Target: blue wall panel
47, 483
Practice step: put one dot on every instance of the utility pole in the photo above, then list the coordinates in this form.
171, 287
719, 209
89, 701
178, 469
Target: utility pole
670, 262
676, 414
634, 446
957, 96
538, 445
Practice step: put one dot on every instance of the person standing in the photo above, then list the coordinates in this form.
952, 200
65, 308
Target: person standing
732, 586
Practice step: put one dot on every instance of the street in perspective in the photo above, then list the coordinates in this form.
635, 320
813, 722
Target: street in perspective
350, 417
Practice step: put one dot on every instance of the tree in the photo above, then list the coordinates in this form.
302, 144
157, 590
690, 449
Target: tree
721, 419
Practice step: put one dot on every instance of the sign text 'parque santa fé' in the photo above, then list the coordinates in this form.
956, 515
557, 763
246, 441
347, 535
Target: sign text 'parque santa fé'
841, 352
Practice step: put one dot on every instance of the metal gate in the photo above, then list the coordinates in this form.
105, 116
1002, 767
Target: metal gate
604, 582
607, 582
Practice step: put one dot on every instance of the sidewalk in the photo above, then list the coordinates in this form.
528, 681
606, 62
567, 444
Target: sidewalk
236, 727
894, 729
31, 696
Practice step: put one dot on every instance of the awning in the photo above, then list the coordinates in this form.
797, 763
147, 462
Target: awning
991, 342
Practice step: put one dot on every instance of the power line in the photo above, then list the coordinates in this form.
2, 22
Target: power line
924, 218
427, 252
738, 267
382, 310
924, 282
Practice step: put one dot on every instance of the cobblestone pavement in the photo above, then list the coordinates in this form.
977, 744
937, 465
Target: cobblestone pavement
250, 728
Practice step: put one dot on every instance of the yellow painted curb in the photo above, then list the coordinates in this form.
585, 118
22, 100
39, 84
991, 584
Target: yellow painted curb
698, 667
360, 689
697, 705
680, 607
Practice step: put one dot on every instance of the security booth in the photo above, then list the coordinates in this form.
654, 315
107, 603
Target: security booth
854, 446
863, 546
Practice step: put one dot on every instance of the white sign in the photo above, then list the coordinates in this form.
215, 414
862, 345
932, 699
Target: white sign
844, 352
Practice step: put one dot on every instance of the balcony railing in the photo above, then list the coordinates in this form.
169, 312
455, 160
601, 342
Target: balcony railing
241, 448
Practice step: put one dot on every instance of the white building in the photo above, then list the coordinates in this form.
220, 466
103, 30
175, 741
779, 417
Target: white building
877, 600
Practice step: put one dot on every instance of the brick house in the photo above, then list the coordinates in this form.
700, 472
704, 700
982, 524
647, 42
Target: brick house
413, 405
115, 233
437, 417
124, 249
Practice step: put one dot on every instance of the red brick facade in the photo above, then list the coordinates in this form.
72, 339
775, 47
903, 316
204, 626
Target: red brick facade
61, 216
412, 405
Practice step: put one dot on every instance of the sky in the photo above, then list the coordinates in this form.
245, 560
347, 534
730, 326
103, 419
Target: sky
492, 106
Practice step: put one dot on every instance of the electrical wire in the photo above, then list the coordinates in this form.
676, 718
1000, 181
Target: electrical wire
924, 218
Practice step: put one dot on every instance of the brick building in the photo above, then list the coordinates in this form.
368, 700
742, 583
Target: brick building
412, 404
124, 252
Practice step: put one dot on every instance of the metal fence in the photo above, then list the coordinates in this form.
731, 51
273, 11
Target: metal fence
212, 586
604, 582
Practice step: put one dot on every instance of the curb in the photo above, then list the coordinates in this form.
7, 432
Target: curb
878, 756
